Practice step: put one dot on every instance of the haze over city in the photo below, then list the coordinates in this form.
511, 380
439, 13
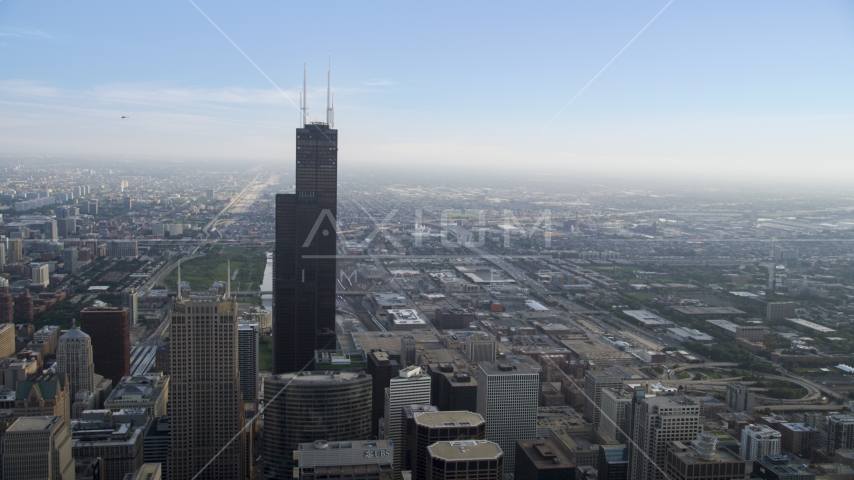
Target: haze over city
719, 89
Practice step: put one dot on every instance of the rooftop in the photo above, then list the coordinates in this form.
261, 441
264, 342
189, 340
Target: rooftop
544, 454
29, 424
318, 377
448, 419
465, 450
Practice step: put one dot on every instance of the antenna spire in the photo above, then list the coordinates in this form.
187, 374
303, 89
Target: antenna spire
330, 117
179, 279
304, 98
228, 281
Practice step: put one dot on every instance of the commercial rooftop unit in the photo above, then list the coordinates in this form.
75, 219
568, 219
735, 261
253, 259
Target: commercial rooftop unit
682, 334
703, 312
483, 274
648, 318
811, 325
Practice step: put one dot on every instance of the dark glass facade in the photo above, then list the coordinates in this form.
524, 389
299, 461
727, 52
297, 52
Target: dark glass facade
314, 406
304, 257
109, 329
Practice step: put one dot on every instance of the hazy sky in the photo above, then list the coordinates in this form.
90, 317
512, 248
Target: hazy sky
715, 87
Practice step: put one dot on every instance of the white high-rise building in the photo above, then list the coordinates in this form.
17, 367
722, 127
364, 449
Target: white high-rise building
614, 421
410, 387
40, 274
74, 358
247, 361
656, 423
507, 398
130, 300
759, 441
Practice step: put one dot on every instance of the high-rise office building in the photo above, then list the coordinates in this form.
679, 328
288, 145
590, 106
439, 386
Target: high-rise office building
304, 257
452, 387
429, 427
109, 329
839, 433
16, 250
701, 460
247, 346
594, 382
410, 387
50, 231
38, 447
130, 300
7, 302
466, 460
315, 406
74, 358
205, 405
614, 421
508, 398
739, 398
381, 369
759, 441
656, 422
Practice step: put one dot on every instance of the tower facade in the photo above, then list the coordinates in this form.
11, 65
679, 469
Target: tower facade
304, 257
759, 441
508, 395
205, 404
109, 329
74, 358
656, 422
247, 344
312, 406
410, 387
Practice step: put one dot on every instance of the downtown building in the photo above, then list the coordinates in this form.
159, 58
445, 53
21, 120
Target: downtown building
247, 346
74, 358
309, 406
508, 399
38, 447
425, 426
410, 387
351, 460
304, 257
656, 423
109, 330
759, 441
205, 404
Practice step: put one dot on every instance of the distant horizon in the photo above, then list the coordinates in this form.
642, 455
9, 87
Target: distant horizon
726, 91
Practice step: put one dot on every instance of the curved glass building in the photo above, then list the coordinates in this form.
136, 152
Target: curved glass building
333, 406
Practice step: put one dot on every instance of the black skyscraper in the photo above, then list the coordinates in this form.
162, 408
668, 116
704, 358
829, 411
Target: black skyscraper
304, 257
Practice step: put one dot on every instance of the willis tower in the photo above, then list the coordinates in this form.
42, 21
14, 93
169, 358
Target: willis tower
304, 257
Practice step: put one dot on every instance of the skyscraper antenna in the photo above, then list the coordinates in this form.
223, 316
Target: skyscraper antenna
329, 116
179, 279
304, 99
228, 281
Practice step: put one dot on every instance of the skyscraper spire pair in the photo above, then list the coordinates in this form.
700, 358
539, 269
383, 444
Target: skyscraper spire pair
227, 281
330, 99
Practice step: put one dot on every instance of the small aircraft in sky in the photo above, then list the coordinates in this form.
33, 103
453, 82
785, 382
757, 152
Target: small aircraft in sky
125, 116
